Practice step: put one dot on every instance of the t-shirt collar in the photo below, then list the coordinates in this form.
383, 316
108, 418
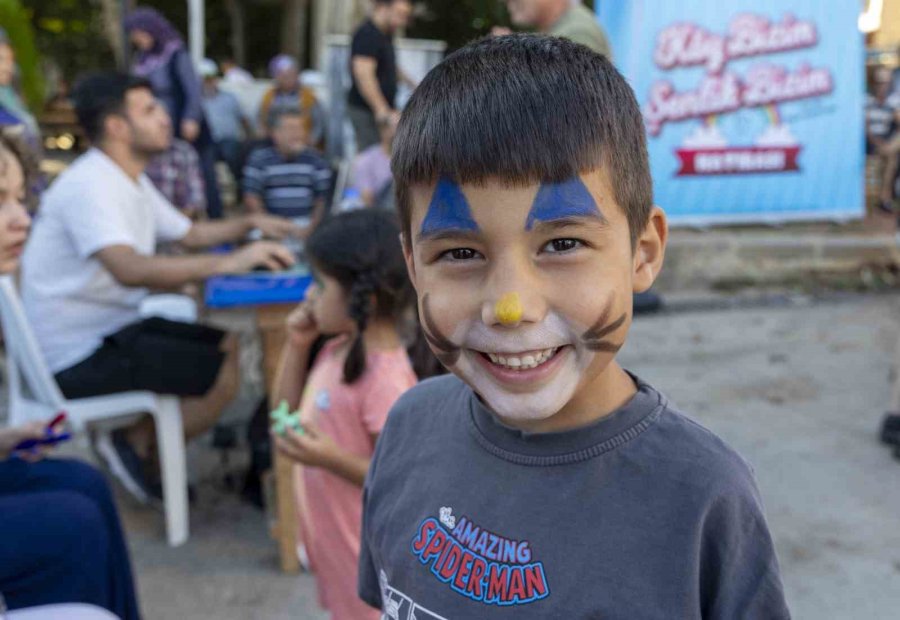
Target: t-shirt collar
573, 445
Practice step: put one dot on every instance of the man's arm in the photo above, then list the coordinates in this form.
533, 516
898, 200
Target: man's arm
317, 215
170, 272
215, 232
405, 78
364, 68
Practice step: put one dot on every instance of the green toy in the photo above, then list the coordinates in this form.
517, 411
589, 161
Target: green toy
283, 419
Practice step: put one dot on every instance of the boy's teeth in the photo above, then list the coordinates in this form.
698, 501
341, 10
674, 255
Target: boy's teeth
524, 362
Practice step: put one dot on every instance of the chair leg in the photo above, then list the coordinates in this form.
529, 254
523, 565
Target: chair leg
172, 462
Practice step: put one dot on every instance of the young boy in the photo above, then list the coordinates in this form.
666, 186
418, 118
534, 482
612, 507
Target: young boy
543, 480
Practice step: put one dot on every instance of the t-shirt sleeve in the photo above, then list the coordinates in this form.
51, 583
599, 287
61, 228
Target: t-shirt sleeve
322, 180
368, 582
368, 586
366, 42
171, 224
253, 174
96, 220
384, 388
739, 574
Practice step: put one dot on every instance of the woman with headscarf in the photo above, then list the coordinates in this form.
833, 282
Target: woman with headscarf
14, 113
163, 59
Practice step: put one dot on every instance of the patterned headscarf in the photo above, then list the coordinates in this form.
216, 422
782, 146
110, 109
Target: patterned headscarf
166, 40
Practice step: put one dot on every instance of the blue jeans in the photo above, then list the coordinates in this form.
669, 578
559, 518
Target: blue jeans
60, 538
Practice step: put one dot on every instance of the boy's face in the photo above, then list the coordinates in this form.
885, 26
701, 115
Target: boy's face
525, 292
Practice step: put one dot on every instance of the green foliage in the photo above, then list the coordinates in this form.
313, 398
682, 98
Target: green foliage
70, 34
14, 20
458, 22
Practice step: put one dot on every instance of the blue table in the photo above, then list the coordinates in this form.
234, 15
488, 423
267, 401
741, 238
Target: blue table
258, 288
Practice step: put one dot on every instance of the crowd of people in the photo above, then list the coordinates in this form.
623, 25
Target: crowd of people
480, 217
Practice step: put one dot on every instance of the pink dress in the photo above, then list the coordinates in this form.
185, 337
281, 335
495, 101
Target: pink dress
331, 507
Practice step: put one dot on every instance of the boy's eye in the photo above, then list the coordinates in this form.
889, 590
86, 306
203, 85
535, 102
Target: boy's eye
561, 246
460, 254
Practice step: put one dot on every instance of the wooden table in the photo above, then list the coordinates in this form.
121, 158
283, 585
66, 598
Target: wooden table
270, 320
273, 296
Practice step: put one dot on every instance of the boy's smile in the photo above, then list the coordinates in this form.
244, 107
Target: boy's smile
525, 292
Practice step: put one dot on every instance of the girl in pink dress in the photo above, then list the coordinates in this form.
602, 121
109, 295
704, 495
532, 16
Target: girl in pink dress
360, 294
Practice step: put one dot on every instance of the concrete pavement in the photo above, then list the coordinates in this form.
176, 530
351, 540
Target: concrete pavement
799, 390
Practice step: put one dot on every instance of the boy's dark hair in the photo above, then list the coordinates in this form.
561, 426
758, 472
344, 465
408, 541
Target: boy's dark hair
100, 95
524, 108
361, 250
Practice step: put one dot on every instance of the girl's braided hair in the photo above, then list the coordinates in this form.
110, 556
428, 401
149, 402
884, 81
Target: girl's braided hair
361, 250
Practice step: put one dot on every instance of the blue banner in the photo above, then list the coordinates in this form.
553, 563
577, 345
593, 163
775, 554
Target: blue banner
753, 108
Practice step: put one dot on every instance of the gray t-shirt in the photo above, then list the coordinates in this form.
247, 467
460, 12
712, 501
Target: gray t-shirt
644, 514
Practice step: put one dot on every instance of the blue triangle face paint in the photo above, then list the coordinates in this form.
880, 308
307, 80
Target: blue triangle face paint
556, 201
448, 210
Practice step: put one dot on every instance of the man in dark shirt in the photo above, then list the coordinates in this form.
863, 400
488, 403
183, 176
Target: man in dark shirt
373, 68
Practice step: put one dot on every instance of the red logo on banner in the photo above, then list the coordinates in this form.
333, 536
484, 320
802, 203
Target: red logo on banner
737, 160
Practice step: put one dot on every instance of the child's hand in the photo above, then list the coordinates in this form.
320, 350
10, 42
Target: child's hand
301, 326
313, 448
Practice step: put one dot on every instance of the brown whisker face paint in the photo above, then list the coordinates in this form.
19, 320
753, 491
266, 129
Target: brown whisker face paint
594, 337
446, 352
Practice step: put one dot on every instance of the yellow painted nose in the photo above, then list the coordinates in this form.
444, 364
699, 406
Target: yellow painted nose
508, 309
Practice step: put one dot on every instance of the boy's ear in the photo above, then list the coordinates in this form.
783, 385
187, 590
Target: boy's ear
650, 249
408, 257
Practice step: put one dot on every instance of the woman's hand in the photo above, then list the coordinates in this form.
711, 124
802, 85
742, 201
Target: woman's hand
313, 448
190, 129
301, 326
11, 437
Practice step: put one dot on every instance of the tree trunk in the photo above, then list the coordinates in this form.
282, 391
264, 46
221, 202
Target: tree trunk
111, 11
235, 10
293, 30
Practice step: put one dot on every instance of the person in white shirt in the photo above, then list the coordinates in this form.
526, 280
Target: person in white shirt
91, 261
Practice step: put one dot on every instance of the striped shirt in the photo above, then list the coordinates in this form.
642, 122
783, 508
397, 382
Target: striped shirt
288, 187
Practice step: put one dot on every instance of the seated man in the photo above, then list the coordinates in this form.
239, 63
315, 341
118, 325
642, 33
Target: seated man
372, 168
90, 262
288, 178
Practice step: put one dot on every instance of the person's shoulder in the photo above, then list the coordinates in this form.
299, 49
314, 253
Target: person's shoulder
86, 175
435, 397
370, 153
364, 30
689, 453
893, 100
262, 155
183, 149
312, 156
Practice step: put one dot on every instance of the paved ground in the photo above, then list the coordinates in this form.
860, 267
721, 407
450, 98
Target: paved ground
799, 390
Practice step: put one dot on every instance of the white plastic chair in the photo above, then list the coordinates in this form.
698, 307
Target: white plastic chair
34, 394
